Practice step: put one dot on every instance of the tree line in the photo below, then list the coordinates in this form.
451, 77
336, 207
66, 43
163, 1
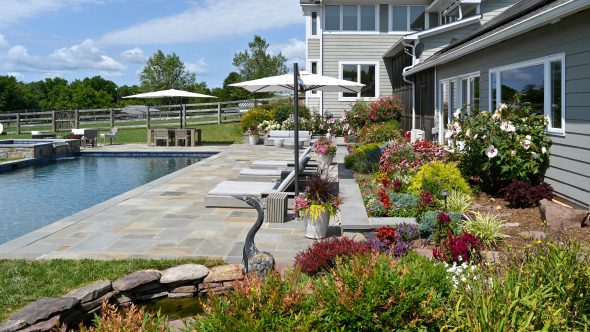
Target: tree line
161, 71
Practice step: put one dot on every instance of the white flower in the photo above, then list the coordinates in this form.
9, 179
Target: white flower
491, 151
534, 155
497, 115
526, 144
508, 126
513, 153
543, 150
528, 137
457, 113
468, 133
503, 106
475, 136
449, 134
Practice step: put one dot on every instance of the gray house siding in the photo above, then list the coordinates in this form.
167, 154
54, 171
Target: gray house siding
313, 48
437, 42
490, 9
569, 171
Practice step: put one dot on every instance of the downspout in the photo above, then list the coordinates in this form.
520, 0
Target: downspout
410, 82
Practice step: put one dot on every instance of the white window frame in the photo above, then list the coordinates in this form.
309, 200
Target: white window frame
408, 22
314, 94
359, 63
546, 62
461, 93
310, 24
457, 80
358, 24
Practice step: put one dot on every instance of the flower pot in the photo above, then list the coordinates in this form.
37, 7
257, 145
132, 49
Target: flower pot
317, 229
253, 139
326, 160
278, 143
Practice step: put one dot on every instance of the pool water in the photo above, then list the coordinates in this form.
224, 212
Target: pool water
33, 197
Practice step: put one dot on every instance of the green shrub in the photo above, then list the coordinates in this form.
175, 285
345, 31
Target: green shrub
427, 223
437, 176
132, 319
459, 201
544, 288
364, 159
380, 132
256, 116
284, 110
358, 116
487, 228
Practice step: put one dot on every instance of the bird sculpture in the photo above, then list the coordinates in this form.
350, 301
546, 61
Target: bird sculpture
254, 260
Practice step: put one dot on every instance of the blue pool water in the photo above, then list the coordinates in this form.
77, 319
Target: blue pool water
33, 197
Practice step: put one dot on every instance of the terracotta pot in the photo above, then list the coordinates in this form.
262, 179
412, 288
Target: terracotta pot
317, 229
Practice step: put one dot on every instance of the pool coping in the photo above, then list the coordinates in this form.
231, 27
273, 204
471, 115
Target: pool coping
40, 233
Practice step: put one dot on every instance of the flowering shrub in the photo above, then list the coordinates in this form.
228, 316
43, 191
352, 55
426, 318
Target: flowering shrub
380, 132
321, 255
324, 146
437, 176
386, 234
386, 109
268, 125
427, 223
358, 116
395, 240
443, 227
510, 144
317, 199
284, 109
132, 319
463, 248
407, 158
252, 131
390, 204
363, 159
523, 194
256, 116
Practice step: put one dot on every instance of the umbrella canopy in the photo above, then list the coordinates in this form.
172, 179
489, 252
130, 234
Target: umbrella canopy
169, 93
307, 82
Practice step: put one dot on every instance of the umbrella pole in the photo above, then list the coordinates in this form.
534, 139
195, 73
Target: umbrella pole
296, 123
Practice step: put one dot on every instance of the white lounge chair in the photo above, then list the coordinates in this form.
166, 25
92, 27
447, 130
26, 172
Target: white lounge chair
257, 174
275, 164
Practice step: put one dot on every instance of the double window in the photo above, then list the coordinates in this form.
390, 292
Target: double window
366, 73
456, 93
407, 18
350, 18
539, 82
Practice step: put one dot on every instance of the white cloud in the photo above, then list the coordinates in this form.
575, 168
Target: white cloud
294, 51
16, 10
199, 67
17, 75
209, 20
134, 55
83, 56
3, 42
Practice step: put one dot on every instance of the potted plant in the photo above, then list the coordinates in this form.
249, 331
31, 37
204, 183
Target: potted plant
316, 205
325, 149
252, 133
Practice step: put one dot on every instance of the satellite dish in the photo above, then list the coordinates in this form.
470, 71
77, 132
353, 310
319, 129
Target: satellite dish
419, 49
1, 129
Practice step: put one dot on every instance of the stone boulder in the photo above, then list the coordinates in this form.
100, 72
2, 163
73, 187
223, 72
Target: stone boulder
184, 273
44, 308
12, 325
556, 215
136, 279
229, 272
91, 292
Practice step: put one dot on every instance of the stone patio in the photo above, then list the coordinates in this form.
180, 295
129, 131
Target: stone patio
167, 217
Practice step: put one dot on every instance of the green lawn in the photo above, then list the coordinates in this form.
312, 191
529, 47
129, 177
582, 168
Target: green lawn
22, 281
8, 159
225, 133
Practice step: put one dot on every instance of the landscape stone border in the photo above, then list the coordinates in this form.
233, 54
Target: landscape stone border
186, 280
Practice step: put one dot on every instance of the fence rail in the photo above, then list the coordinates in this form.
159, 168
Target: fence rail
149, 117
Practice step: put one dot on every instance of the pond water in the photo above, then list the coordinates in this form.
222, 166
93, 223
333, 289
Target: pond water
176, 308
36, 196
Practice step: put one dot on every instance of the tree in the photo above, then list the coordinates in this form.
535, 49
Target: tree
256, 62
163, 72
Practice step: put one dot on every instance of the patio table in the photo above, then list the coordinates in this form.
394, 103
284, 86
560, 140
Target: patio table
172, 133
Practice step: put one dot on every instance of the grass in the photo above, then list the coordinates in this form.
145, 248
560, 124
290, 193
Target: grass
23, 281
8, 159
225, 133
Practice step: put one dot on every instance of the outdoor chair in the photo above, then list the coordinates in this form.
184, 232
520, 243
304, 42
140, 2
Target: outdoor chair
274, 164
161, 134
89, 136
112, 135
182, 135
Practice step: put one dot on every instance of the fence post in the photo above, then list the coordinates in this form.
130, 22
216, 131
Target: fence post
112, 114
147, 118
53, 123
18, 123
76, 119
219, 113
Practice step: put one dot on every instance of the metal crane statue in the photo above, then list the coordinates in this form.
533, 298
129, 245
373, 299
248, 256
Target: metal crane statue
254, 260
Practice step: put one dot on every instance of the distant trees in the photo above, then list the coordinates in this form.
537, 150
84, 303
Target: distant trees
163, 72
256, 62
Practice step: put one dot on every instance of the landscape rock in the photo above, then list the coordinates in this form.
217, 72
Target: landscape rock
152, 287
424, 252
532, 235
355, 236
229, 272
46, 325
91, 305
152, 296
511, 224
44, 308
556, 215
180, 295
136, 279
91, 292
183, 273
12, 325
183, 289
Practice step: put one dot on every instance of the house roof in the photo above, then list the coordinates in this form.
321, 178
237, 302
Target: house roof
520, 18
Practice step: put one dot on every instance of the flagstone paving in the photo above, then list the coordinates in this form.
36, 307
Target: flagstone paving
166, 218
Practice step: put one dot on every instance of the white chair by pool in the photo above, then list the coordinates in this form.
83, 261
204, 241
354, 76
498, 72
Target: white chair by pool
112, 135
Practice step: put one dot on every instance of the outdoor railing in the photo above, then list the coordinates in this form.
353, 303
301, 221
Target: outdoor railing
142, 116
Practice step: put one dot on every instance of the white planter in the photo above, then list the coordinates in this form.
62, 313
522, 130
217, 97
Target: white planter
278, 143
253, 139
326, 160
317, 229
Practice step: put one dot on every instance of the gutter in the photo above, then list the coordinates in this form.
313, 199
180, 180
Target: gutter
411, 82
540, 19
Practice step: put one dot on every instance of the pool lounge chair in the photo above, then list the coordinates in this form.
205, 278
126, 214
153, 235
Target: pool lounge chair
275, 164
257, 174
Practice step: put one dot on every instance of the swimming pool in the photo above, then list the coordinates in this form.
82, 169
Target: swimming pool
36, 196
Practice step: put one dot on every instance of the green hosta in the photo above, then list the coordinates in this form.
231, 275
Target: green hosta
487, 228
498, 147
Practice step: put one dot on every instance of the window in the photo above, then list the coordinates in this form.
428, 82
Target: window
470, 92
455, 93
350, 17
332, 19
539, 82
407, 18
314, 70
314, 23
365, 73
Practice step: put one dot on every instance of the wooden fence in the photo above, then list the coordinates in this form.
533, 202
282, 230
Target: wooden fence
148, 117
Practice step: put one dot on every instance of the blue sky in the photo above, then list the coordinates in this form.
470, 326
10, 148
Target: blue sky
78, 38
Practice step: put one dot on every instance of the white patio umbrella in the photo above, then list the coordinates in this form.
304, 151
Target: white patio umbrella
170, 94
299, 81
